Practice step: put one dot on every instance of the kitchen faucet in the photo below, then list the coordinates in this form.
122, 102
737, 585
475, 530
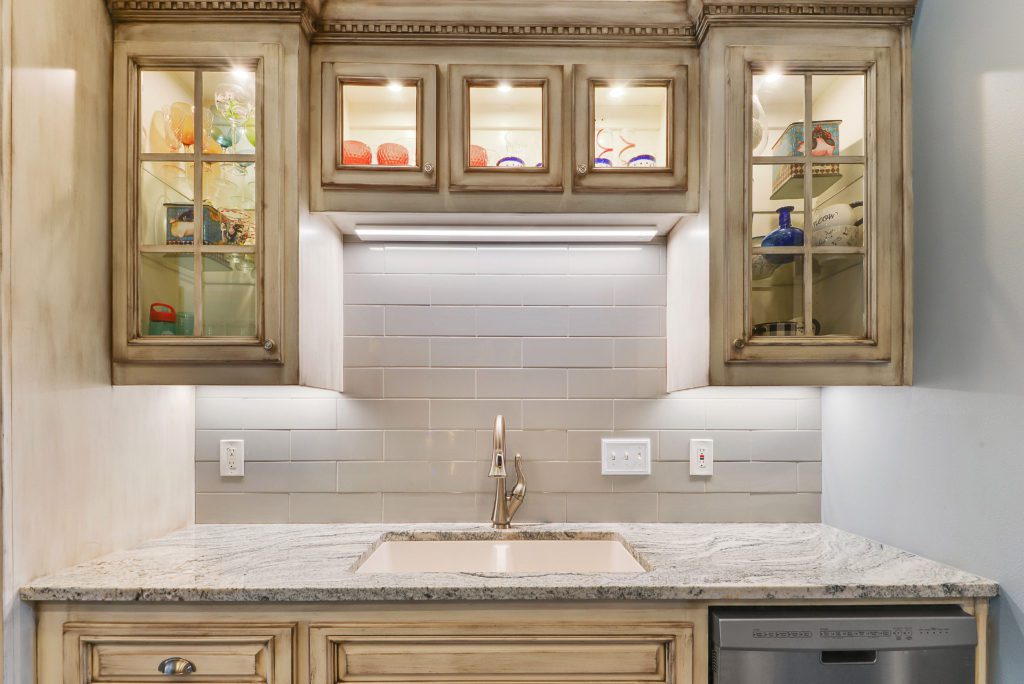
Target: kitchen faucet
505, 505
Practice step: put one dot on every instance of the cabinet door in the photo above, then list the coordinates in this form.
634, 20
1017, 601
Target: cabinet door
379, 126
814, 252
198, 233
506, 127
630, 124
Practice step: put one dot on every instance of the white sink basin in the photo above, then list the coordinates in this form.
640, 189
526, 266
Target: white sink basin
502, 556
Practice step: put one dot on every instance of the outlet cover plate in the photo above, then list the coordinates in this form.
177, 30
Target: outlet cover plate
625, 456
232, 458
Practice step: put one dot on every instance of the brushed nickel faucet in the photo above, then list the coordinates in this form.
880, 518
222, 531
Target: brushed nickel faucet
505, 505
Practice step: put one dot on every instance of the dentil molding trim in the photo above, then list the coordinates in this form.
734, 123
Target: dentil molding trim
716, 13
346, 31
278, 11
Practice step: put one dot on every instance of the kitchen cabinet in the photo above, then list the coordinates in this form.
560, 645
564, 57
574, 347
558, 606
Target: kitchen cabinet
550, 129
808, 210
206, 198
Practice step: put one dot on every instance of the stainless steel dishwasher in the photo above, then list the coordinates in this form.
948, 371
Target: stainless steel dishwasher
883, 645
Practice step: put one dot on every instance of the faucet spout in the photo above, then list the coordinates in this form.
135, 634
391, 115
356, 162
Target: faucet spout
505, 504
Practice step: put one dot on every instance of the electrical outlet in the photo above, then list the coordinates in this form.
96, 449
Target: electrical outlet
625, 456
702, 457
232, 458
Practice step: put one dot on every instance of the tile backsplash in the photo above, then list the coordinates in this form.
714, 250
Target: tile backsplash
567, 341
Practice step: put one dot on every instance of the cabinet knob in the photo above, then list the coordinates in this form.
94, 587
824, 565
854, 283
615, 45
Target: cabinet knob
581, 169
428, 168
269, 345
176, 666
739, 343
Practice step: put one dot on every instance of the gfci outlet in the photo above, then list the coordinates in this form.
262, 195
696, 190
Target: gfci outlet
702, 457
625, 456
232, 458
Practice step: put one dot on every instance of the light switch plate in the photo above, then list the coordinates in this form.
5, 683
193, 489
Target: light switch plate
625, 456
702, 457
232, 458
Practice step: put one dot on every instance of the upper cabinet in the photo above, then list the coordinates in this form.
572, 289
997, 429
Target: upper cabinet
547, 129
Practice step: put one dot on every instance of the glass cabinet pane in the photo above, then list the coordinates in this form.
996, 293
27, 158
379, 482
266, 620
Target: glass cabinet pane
506, 125
777, 117
838, 218
166, 203
379, 123
777, 296
839, 99
229, 295
631, 126
167, 294
838, 294
166, 111
229, 194
229, 112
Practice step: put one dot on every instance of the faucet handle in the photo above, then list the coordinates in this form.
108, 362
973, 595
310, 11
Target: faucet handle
520, 488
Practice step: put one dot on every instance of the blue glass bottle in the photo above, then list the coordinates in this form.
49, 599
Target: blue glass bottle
783, 236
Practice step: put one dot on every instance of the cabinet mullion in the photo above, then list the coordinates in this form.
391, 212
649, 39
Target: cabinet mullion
808, 274
199, 217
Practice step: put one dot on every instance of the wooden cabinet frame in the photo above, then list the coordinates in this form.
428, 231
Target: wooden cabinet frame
129, 345
333, 172
673, 176
463, 177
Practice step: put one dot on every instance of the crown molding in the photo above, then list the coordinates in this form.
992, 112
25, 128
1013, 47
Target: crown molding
302, 12
363, 31
800, 12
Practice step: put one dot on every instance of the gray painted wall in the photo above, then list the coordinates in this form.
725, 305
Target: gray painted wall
952, 444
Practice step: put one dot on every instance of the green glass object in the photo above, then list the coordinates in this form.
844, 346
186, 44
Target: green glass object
250, 129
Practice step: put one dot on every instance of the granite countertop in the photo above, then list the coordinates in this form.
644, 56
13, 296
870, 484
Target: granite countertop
685, 561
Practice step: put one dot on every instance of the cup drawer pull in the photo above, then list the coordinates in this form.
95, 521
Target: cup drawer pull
176, 666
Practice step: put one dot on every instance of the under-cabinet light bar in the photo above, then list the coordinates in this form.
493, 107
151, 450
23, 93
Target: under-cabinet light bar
533, 233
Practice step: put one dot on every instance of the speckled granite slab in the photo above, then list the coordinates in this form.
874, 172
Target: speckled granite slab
685, 561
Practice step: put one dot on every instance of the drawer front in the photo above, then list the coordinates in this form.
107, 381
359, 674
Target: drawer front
640, 657
138, 653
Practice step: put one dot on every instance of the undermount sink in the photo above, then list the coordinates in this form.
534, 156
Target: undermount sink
512, 556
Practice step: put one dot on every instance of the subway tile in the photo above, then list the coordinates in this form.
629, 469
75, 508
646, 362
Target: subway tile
432, 507
539, 507
753, 477
786, 445
617, 383
221, 413
469, 414
268, 477
337, 445
495, 290
260, 445
729, 445
523, 260
476, 352
525, 383
386, 351
585, 445
703, 508
562, 290
522, 321
570, 414
641, 352
534, 445
363, 258
362, 288
665, 476
383, 414
785, 507
809, 413
290, 413
430, 320
241, 508
460, 476
383, 476
364, 320
617, 321
616, 259
261, 392
567, 353
429, 382
646, 290
660, 414
808, 477
567, 476
751, 414
429, 259
614, 507
335, 508
364, 383
429, 445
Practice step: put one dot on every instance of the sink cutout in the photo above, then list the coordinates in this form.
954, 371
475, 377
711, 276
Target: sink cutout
500, 556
